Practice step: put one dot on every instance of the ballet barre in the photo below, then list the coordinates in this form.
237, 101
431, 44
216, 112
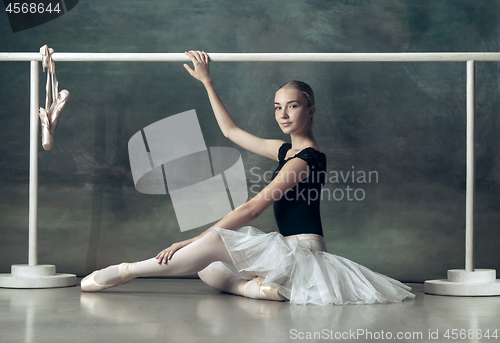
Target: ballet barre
460, 282
260, 57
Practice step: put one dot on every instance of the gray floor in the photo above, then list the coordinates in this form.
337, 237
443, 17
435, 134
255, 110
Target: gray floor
186, 310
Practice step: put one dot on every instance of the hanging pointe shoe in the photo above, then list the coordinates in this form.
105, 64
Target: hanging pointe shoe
56, 109
254, 289
47, 140
126, 271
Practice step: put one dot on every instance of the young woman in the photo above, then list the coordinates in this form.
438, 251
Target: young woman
291, 265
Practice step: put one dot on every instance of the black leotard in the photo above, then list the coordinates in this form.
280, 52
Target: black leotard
297, 211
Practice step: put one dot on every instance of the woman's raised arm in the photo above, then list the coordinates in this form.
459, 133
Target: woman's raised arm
264, 147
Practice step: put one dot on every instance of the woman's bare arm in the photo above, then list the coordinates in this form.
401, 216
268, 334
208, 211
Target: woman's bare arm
294, 171
264, 147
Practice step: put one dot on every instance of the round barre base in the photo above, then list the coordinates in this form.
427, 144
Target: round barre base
480, 282
40, 276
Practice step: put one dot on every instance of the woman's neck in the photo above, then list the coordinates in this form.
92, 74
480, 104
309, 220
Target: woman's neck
301, 141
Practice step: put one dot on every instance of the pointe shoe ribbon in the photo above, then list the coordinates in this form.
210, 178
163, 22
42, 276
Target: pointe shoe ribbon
126, 271
52, 112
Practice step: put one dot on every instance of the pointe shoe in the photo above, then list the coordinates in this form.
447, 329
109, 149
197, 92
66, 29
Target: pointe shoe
47, 140
56, 108
271, 291
259, 291
89, 284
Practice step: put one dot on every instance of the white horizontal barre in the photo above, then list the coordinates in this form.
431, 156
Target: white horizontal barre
261, 57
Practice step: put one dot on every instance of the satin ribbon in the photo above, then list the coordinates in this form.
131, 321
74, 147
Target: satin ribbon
48, 63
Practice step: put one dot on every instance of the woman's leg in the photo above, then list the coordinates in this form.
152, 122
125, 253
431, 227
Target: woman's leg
191, 259
217, 276
188, 260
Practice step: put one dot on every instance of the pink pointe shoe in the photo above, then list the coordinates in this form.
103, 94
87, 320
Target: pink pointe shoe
271, 291
47, 140
56, 108
254, 289
127, 274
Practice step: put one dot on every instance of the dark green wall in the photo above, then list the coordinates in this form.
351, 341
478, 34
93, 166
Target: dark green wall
406, 121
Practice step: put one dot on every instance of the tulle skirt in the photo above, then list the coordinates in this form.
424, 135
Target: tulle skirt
303, 271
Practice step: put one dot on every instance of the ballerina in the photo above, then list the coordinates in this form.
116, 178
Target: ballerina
290, 265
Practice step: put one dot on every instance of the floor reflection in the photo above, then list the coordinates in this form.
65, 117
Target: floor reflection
188, 310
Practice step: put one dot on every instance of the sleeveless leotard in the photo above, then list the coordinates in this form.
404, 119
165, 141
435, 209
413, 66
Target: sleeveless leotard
298, 210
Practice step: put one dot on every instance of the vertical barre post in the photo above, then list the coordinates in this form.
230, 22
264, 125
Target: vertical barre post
470, 187
468, 281
33, 275
33, 185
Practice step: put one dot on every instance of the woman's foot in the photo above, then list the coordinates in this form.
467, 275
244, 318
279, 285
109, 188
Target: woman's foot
254, 289
126, 273
271, 291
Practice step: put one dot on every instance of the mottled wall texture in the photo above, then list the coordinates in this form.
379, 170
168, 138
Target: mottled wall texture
404, 122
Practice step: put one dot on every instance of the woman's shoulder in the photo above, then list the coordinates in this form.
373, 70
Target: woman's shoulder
305, 151
314, 149
283, 150
313, 157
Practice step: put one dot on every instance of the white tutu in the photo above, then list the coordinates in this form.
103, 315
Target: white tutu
304, 272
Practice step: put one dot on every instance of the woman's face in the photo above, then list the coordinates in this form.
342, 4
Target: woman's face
291, 111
